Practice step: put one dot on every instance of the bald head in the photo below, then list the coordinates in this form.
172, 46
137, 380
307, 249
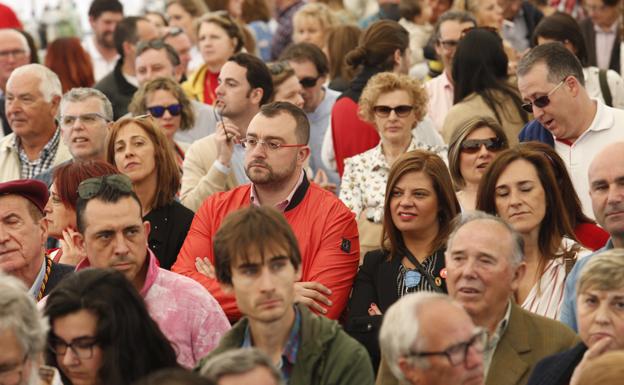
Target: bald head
14, 52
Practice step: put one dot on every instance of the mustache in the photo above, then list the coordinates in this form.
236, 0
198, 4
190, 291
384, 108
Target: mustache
258, 162
614, 208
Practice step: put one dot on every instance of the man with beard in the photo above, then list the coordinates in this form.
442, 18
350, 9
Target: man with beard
103, 17
275, 153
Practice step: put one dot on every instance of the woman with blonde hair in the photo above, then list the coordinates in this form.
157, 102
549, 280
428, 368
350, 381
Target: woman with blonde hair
184, 14
311, 23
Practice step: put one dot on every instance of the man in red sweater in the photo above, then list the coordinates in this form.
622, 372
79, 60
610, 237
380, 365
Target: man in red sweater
276, 151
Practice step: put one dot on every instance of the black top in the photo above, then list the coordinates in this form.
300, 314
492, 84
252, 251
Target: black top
169, 226
558, 368
117, 90
58, 271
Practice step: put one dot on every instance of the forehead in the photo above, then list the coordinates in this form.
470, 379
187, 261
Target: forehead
281, 126
109, 16
179, 40
232, 70
111, 216
260, 254
86, 106
394, 98
13, 204
130, 130
82, 323
452, 29
160, 95
146, 30
483, 236
439, 331
11, 347
534, 81
211, 27
24, 83
303, 68
10, 40
519, 169
608, 165
153, 56
414, 179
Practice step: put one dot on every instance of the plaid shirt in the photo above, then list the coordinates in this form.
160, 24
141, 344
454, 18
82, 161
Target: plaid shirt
29, 169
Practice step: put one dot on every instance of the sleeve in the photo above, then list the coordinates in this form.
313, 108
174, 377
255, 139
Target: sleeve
616, 85
200, 177
567, 314
336, 260
350, 192
210, 325
357, 369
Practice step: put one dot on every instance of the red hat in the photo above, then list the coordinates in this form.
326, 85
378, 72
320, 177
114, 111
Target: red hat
31, 189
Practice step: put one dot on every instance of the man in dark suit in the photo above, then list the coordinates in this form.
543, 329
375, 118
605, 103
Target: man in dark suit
601, 31
23, 233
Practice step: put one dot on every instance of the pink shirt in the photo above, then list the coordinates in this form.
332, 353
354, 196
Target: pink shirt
281, 206
187, 314
440, 92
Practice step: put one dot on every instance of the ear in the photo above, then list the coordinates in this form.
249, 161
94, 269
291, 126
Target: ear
573, 85
128, 48
411, 373
79, 241
147, 227
397, 57
54, 105
256, 95
518, 274
303, 154
43, 226
226, 288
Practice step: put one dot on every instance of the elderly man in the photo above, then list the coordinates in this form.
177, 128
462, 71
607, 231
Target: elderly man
23, 233
429, 339
550, 80
32, 97
14, 52
112, 234
23, 334
606, 190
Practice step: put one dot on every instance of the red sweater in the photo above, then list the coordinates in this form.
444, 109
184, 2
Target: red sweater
325, 229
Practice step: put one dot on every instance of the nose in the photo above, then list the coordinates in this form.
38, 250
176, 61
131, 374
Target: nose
4, 235
537, 112
266, 281
603, 313
474, 358
48, 207
514, 197
483, 151
70, 358
615, 194
120, 246
299, 101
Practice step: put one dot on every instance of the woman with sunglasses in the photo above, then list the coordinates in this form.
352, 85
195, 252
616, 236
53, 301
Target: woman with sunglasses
286, 85
419, 206
140, 150
472, 147
520, 186
394, 104
101, 332
164, 99
482, 87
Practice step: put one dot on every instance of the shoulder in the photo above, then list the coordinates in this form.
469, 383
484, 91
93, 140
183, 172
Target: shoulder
548, 333
181, 211
203, 144
360, 158
226, 200
375, 258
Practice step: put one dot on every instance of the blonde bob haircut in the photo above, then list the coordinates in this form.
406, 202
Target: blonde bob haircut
604, 271
386, 82
138, 105
316, 11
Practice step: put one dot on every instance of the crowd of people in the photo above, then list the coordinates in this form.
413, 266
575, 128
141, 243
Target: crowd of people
423, 192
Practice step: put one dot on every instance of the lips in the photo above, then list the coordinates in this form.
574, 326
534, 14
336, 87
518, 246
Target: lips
468, 291
79, 140
517, 214
131, 165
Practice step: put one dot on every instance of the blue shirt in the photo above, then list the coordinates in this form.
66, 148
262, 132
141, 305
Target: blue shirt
535, 131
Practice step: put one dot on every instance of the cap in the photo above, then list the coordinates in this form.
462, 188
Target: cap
31, 189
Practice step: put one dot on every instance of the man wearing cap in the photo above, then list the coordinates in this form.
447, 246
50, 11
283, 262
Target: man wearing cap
23, 233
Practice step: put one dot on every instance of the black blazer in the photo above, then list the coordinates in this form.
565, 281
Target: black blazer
558, 368
589, 35
58, 271
169, 226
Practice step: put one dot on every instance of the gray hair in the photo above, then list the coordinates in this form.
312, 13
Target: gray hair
18, 35
559, 62
238, 361
399, 333
19, 313
604, 271
81, 94
49, 85
517, 243
453, 15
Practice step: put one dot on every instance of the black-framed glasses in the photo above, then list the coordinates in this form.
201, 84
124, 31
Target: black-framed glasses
16, 53
400, 111
159, 111
471, 146
542, 101
88, 119
449, 43
91, 187
308, 81
457, 353
81, 347
272, 145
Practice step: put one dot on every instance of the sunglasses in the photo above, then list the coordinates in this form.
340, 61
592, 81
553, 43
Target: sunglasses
472, 146
400, 111
542, 101
91, 187
159, 111
309, 82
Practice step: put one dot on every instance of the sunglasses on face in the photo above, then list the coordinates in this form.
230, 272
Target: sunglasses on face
159, 111
400, 111
472, 146
542, 101
308, 82
91, 187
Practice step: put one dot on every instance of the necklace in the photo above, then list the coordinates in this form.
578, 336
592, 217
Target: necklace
48, 263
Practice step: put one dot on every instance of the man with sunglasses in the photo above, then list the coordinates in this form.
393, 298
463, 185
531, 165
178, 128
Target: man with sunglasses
551, 82
181, 42
112, 234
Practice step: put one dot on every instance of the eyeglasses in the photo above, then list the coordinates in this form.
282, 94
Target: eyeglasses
309, 81
400, 111
172, 32
457, 354
272, 145
88, 119
91, 187
81, 347
542, 101
16, 53
449, 44
471, 146
13, 373
159, 111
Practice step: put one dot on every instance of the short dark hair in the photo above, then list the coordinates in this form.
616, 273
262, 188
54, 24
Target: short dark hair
159, 45
562, 27
258, 74
409, 9
458, 16
173, 376
126, 31
307, 51
302, 124
255, 228
108, 194
559, 62
98, 7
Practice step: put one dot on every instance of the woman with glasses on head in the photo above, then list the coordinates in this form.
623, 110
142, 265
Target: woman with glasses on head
520, 187
311, 24
218, 37
419, 206
482, 86
286, 85
472, 147
101, 332
140, 150
184, 14
164, 99
394, 104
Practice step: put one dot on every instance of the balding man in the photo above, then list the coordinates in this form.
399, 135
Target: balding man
14, 52
33, 93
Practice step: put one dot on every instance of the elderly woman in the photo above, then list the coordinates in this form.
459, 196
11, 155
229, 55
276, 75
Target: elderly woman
165, 100
140, 150
520, 186
394, 104
600, 304
286, 86
472, 147
419, 206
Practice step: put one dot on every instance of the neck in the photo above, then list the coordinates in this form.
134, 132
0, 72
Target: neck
447, 73
214, 67
491, 318
272, 194
33, 144
393, 149
28, 273
531, 246
272, 337
467, 196
420, 243
242, 121
146, 191
618, 241
127, 68
108, 53
139, 279
587, 112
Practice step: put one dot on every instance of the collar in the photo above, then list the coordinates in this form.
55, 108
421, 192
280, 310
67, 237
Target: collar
45, 151
611, 30
36, 286
500, 329
378, 158
283, 205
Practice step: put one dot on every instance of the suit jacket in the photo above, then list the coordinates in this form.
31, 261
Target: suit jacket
528, 339
558, 368
6, 128
57, 272
589, 35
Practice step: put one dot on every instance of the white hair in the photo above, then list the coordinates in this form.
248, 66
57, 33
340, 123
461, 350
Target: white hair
19, 36
49, 85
